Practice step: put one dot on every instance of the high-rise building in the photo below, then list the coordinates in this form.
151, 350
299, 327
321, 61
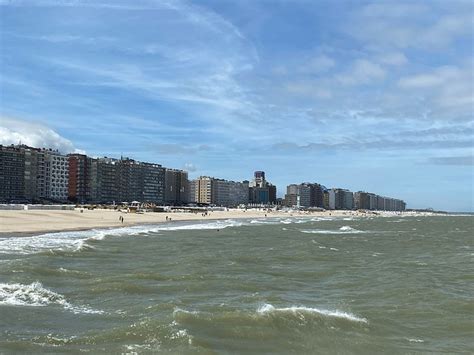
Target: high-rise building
326, 199
340, 199
205, 190
192, 191
298, 195
259, 179
261, 192
52, 175
239, 193
176, 187
105, 180
31, 172
370, 201
316, 198
126, 180
220, 192
152, 181
79, 189
12, 173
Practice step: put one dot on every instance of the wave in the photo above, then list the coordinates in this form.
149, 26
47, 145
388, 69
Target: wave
77, 241
415, 340
74, 241
269, 310
342, 230
266, 309
220, 224
35, 295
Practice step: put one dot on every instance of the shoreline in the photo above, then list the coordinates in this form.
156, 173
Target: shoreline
33, 222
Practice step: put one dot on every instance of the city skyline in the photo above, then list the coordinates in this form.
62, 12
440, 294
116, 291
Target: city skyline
298, 89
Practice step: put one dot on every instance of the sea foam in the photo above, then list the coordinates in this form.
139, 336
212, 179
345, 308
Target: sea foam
270, 309
74, 241
35, 295
342, 230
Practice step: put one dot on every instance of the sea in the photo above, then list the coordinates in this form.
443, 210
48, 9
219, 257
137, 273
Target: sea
296, 285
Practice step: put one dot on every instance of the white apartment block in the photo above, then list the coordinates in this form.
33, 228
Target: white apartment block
52, 175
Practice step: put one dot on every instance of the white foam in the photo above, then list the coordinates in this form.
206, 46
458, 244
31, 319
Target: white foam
221, 224
35, 295
62, 241
180, 310
77, 240
342, 230
413, 340
269, 309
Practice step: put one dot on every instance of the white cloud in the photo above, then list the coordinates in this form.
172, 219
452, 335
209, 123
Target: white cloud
190, 167
14, 131
308, 89
317, 64
403, 25
439, 76
394, 58
362, 72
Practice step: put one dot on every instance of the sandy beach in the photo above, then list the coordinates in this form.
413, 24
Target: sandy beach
37, 221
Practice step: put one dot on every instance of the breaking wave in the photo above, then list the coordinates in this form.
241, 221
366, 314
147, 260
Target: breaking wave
35, 295
269, 309
342, 230
220, 224
74, 241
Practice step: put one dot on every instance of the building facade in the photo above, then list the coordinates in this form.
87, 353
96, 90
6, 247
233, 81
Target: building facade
208, 190
340, 199
261, 192
12, 174
176, 187
79, 189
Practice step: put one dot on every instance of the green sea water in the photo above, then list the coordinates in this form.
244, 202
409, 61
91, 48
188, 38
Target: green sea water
273, 286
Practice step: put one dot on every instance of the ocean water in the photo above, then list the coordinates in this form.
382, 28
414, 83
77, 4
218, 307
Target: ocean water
273, 286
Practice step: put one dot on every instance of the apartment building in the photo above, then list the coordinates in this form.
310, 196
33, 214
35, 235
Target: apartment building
176, 187
12, 174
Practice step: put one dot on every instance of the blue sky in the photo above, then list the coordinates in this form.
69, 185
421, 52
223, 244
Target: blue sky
374, 96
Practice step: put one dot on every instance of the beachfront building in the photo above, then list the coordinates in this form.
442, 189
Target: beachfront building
104, 178
261, 192
31, 174
370, 201
139, 181
204, 189
298, 195
238, 193
192, 191
57, 171
220, 192
52, 175
79, 189
150, 182
126, 180
230, 193
348, 200
340, 199
316, 195
326, 199
176, 187
12, 174
361, 200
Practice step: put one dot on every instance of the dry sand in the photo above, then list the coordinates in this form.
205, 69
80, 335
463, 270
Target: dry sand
36, 221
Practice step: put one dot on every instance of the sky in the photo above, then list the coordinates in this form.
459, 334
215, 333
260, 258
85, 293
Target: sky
374, 96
